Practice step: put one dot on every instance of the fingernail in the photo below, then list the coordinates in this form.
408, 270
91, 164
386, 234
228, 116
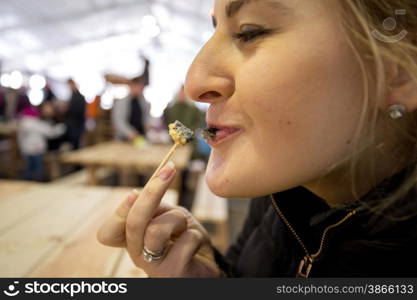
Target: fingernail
167, 171
132, 198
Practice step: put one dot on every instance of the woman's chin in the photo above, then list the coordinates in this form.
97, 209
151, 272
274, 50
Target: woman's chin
217, 186
226, 180
221, 184
237, 186
227, 188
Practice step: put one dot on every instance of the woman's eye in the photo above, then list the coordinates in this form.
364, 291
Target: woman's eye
249, 33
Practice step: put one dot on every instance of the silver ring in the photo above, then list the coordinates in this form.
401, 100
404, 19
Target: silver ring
150, 256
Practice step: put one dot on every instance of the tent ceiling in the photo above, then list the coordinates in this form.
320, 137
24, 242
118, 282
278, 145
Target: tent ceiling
86, 38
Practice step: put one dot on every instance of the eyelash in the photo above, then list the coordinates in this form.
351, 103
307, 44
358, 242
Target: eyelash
250, 35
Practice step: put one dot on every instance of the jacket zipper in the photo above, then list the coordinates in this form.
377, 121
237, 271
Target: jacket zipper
304, 268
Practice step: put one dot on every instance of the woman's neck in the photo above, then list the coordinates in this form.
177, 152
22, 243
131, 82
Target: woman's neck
336, 186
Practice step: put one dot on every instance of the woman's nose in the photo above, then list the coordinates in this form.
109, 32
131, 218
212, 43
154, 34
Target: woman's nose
209, 78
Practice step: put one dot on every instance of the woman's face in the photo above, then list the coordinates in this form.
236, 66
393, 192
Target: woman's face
284, 89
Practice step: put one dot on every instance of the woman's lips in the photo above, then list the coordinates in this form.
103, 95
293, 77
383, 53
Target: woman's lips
222, 134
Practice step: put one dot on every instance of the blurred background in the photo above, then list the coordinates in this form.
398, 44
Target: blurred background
84, 39
87, 90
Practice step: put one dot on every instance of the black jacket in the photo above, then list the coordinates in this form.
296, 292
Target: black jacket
359, 247
75, 115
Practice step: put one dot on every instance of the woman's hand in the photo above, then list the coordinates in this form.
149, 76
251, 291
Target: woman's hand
142, 221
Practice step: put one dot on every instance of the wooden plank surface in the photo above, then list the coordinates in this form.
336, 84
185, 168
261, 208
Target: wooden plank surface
59, 240
32, 239
8, 129
20, 205
10, 187
73, 257
82, 245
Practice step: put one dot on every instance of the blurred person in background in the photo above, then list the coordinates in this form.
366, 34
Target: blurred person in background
56, 116
14, 102
187, 112
92, 115
130, 115
184, 110
2, 104
19, 101
75, 115
93, 108
49, 95
32, 135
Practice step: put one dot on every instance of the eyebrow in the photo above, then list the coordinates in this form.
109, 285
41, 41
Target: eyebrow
233, 7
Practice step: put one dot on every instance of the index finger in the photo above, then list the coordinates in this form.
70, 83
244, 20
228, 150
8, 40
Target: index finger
144, 208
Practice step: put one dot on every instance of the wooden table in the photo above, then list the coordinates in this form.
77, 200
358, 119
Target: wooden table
8, 129
126, 158
49, 230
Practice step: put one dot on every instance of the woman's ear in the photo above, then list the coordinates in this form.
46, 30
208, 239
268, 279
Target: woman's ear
402, 89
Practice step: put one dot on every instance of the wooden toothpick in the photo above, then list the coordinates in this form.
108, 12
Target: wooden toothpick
164, 161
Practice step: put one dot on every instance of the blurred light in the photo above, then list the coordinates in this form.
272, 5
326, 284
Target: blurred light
158, 98
162, 14
90, 86
89, 99
16, 80
59, 71
121, 91
184, 27
150, 27
207, 36
5, 80
37, 82
152, 32
36, 97
107, 99
90, 82
149, 21
61, 90
34, 63
178, 40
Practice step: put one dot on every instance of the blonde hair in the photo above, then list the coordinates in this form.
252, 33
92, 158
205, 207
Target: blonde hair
364, 25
